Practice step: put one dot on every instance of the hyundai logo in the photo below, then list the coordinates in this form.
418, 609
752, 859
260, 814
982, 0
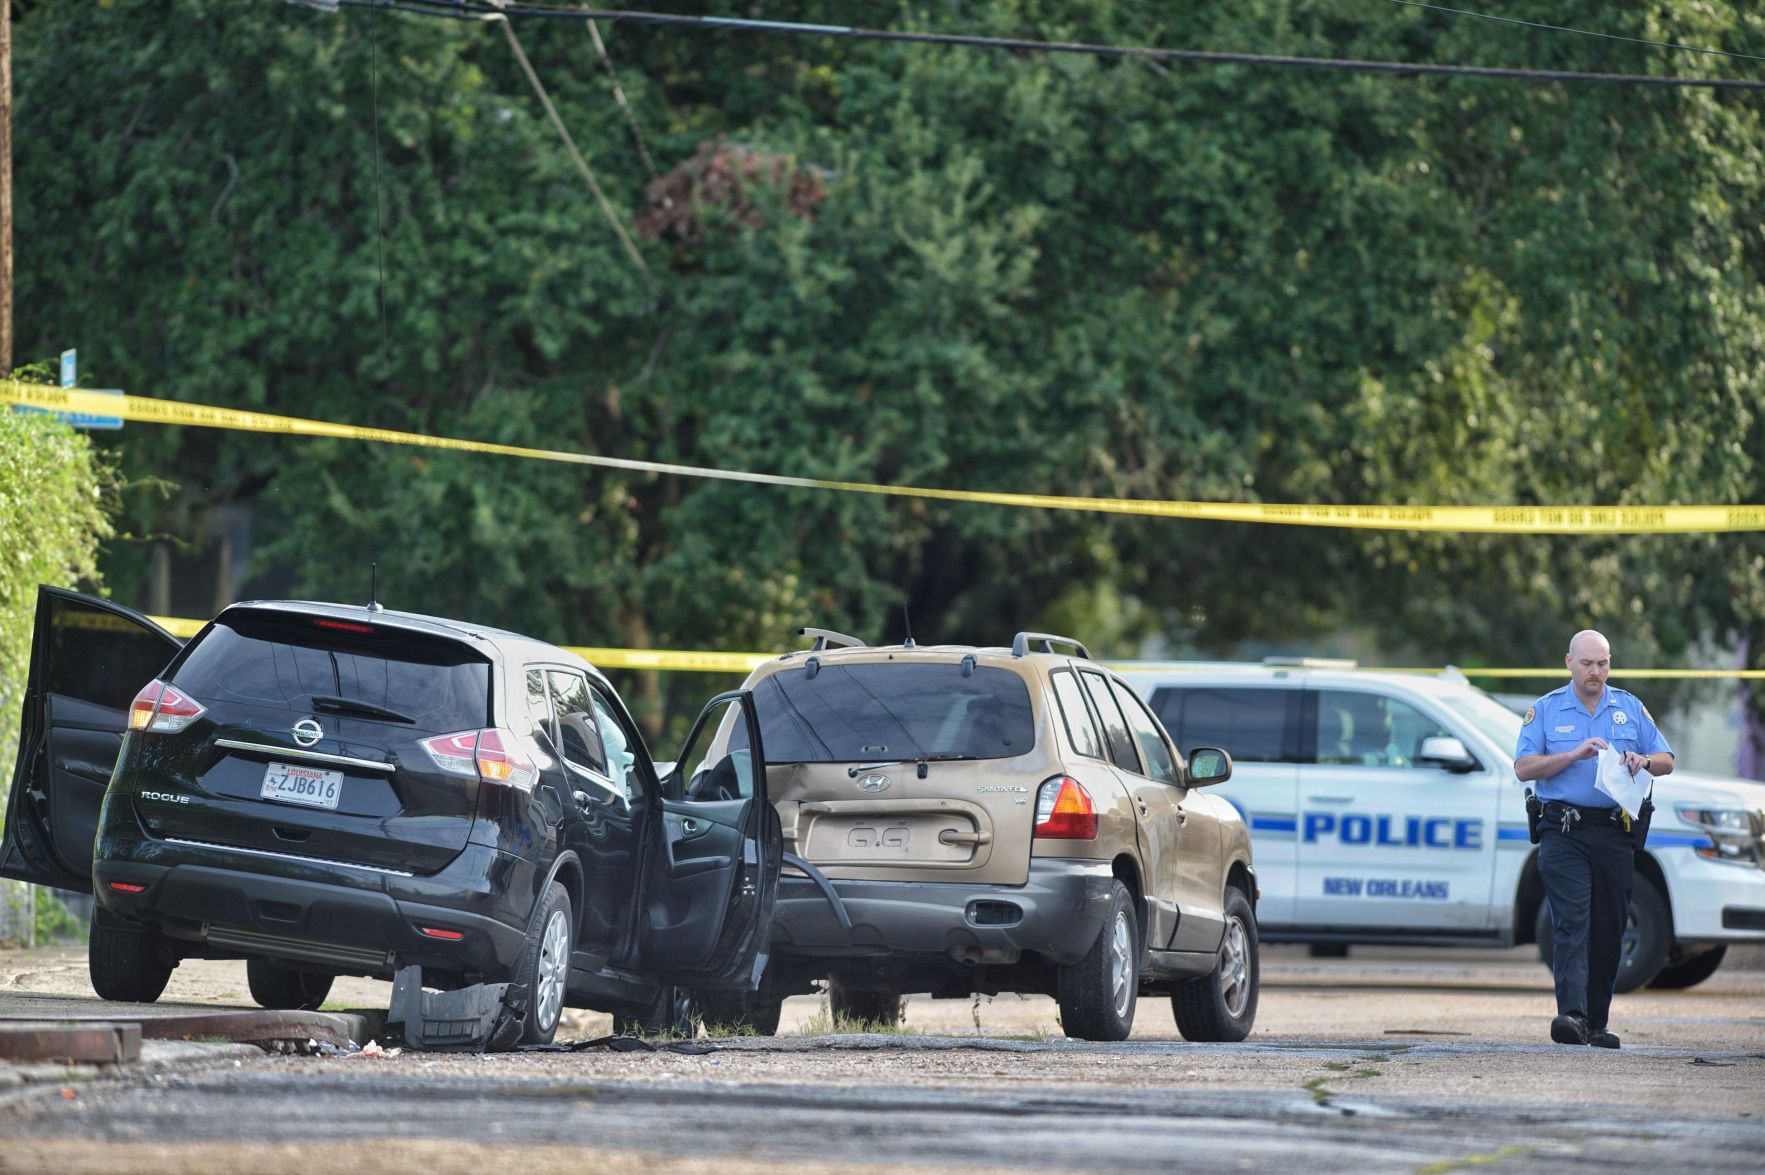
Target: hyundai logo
308, 731
874, 783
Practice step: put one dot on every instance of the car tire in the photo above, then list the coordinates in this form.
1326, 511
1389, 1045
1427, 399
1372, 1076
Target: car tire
544, 966
1690, 971
880, 1006
738, 1013
1098, 993
1221, 1005
673, 1013
1648, 936
126, 963
286, 988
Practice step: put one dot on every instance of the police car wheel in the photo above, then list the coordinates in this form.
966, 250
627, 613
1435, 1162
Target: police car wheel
1097, 994
1648, 936
1690, 972
1221, 1005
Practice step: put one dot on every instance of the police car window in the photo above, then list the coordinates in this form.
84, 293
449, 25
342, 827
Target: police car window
1159, 764
1079, 725
579, 739
1249, 723
1115, 727
1371, 730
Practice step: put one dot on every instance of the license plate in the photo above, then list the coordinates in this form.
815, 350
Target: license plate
302, 785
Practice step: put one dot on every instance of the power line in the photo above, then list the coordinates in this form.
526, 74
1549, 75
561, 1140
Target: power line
1557, 28
476, 10
581, 163
594, 31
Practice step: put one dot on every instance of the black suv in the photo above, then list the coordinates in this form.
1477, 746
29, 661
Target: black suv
324, 789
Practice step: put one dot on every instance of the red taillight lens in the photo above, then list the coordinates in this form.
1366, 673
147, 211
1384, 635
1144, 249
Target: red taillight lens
127, 887
1064, 810
344, 626
444, 935
163, 709
490, 754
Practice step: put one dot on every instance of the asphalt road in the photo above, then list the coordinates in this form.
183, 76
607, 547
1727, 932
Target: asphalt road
1387, 1061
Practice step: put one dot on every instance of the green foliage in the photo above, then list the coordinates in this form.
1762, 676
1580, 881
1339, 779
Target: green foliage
56, 924
53, 517
1026, 272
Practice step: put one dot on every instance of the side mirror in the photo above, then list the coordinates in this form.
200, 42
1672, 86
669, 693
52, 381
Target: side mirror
1209, 765
1447, 752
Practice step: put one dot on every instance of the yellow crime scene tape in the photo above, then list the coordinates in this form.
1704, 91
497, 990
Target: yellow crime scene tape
1455, 519
701, 661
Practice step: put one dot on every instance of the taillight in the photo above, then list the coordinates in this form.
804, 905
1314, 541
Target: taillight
489, 755
163, 709
1064, 810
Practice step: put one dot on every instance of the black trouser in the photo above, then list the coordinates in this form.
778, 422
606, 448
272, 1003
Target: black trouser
1587, 875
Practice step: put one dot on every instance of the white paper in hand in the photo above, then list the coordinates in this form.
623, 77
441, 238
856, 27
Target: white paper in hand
1627, 790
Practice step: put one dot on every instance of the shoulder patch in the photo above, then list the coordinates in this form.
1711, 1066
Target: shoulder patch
1645, 712
1531, 713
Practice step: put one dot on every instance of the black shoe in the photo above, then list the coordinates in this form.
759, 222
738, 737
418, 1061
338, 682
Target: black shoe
1570, 1028
1601, 1038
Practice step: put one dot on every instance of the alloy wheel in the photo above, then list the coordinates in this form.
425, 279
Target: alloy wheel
1235, 968
553, 970
1121, 969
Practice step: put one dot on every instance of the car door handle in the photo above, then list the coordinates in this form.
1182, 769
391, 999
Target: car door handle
691, 827
951, 837
1331, 799
582, 798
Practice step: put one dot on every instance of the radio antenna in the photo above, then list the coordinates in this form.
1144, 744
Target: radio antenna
374, 604
907, 626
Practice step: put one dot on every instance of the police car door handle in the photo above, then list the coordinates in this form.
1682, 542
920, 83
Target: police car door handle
1331, 799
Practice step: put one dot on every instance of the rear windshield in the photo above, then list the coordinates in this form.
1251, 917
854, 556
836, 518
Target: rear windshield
878, 711
441, 686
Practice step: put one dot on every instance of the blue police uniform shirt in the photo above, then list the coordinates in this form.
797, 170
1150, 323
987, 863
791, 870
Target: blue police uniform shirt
1559, 722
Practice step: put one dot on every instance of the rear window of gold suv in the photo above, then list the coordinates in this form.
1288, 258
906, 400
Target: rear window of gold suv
865, 711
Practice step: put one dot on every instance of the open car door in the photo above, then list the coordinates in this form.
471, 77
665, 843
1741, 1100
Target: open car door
709, 892
89, 658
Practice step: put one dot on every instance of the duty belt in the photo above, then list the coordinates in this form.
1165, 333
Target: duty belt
1569, 816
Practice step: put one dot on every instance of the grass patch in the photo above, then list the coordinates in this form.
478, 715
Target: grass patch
227, 995
826, 1023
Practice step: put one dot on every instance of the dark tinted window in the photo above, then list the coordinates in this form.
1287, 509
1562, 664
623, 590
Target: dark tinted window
439, 685
1159, 764
98, 656
876, 711
1249, 724
579, 737
1115, 726
1079, 725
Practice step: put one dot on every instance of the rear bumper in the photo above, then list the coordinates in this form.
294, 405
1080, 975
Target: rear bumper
1057, 914
345, 918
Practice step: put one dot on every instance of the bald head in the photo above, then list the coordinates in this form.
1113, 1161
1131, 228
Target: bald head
1589, 660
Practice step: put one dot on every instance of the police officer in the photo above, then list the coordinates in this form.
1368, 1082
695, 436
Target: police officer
1587, 846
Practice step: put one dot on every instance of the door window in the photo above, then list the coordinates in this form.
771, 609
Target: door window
1080, 727
1370, 730
1159, 763
1115, 727
617, 741
579, 739
1251, 724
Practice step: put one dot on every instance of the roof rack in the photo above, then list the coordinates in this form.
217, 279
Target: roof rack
1020, 644
1313, 662
827, 636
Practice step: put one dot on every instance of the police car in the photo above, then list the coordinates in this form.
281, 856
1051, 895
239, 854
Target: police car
1383, 808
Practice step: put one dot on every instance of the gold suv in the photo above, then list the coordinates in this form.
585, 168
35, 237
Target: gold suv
962, 820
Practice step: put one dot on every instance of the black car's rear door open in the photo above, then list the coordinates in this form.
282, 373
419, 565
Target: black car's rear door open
709, 891
89, 658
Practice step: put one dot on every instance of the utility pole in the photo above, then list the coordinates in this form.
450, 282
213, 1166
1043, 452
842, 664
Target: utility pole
5, 187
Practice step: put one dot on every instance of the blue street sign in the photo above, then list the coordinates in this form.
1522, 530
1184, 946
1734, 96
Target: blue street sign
87, 419
69, 361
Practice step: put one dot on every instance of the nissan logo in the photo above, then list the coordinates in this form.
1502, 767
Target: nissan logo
308, 731
874, 783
